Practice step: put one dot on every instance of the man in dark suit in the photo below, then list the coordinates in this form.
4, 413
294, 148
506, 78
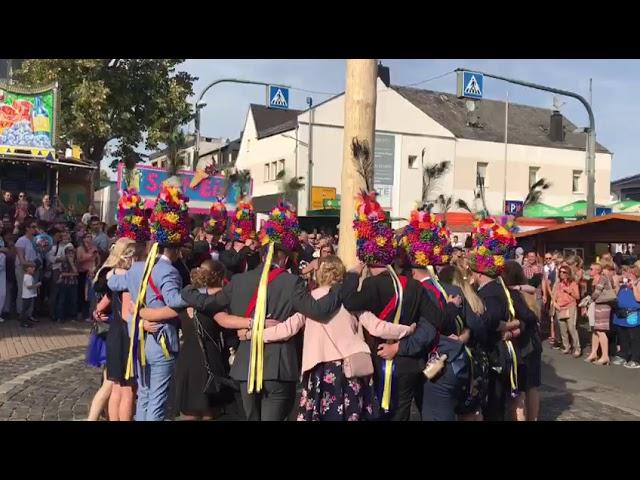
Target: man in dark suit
239, 257
306, 249
286, 296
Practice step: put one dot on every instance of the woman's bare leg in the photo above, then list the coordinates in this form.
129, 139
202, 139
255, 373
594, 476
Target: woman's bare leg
533, 404
127, 403
100, 399
114, 402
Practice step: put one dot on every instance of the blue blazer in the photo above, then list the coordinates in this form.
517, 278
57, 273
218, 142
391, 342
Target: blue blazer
168, 281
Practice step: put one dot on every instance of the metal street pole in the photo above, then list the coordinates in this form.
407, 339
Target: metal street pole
310, 150
591, 132
197, 107
506, 144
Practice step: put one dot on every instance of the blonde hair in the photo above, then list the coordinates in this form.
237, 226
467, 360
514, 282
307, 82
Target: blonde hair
330, 271
121, 255
598, 266
635, 268
460, 280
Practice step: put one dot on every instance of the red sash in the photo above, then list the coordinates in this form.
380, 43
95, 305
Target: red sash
273, 274
392, 303
156, 292
432, 288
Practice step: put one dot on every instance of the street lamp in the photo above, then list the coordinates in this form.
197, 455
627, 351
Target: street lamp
199, 104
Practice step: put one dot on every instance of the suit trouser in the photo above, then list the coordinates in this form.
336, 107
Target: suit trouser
497, 397
274, 403
405, 388
154, 380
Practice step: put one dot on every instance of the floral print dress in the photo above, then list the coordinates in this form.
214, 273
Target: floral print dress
329, 396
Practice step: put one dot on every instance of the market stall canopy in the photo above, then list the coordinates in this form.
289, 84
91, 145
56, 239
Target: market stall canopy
612, 228
627, 206
541, 210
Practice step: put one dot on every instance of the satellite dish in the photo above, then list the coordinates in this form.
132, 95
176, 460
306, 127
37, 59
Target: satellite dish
557, 104
471, 105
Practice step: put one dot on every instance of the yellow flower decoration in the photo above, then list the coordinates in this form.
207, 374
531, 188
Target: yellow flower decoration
275, 212
172, 217
482, 250
136, 220
498, 260
421, 258
381, 241
238, 214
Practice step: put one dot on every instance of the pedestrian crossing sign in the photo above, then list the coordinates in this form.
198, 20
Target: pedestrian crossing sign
278, 97
470, 85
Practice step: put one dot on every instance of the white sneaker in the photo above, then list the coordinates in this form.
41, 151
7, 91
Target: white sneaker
1, 320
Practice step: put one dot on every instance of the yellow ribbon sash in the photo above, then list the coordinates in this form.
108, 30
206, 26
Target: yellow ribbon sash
513, 373
136, 323
256, 363
386, 392
436, 282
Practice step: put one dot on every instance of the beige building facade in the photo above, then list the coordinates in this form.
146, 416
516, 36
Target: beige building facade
415, 128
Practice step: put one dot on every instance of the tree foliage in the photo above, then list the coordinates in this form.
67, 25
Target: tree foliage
129, 101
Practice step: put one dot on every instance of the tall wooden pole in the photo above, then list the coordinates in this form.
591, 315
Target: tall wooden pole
359, 124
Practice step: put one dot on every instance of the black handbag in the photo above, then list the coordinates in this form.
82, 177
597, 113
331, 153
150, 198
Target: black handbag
215, 384
100, 328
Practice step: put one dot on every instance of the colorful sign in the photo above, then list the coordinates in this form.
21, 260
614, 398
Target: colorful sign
513, 207
148, 180
320, 194
28, 121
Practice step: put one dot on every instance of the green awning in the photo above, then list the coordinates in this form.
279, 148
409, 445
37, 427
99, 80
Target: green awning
541, 210
627, 206
328, 212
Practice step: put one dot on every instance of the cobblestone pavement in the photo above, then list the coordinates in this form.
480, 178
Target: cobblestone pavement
56, 384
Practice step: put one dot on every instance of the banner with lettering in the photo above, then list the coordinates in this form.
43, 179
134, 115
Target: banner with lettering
148, 180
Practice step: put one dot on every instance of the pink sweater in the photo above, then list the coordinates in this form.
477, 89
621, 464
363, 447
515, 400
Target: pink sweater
335, 339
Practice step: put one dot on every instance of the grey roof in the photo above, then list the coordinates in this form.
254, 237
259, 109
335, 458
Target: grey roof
527, 125
623, 181
271, 121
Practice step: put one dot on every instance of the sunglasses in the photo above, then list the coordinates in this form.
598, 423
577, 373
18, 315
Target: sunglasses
21, 196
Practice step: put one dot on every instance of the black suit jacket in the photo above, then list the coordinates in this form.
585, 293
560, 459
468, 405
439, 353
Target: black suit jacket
377, 292
286, 295
497, 310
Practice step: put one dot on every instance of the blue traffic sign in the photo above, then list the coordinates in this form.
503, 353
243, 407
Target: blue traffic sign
278, 97
470, 85
513, 207
600, 211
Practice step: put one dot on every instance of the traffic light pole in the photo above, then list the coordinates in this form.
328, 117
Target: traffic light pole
590, 131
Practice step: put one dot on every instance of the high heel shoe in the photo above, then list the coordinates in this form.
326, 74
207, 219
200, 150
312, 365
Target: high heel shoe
590, 359
601, 362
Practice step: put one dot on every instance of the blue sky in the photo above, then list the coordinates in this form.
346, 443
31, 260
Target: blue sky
614, 84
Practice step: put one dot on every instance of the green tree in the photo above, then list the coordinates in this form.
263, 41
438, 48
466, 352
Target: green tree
129, 101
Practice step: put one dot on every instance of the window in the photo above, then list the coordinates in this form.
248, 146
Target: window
274, 170
481, 174
575, 185
266, 172
280, 165
533, 175
412, 161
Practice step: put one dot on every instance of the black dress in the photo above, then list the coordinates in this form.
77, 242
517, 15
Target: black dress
191, 372
117, 341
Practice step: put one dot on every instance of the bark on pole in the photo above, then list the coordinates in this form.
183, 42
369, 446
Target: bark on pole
359, 124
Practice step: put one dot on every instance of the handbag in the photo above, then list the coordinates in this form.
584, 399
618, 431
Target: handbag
608, 295
214, 384
100, 328
356, 365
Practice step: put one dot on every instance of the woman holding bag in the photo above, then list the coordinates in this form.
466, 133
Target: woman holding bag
626, 318
599, 313
565, 298
335, 356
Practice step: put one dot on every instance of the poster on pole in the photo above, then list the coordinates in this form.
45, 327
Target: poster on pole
28, 120
383, 159
148, 181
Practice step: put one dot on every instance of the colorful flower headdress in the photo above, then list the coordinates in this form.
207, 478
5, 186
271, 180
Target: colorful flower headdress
426, 240
216, 224
282, 227
169, 220
376, 244
132, 221
243, 222
492, 240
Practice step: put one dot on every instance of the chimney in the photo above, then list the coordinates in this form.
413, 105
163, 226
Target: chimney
556, 129
384, 74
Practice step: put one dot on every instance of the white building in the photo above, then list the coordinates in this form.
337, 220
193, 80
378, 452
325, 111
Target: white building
420, 127
207, 146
